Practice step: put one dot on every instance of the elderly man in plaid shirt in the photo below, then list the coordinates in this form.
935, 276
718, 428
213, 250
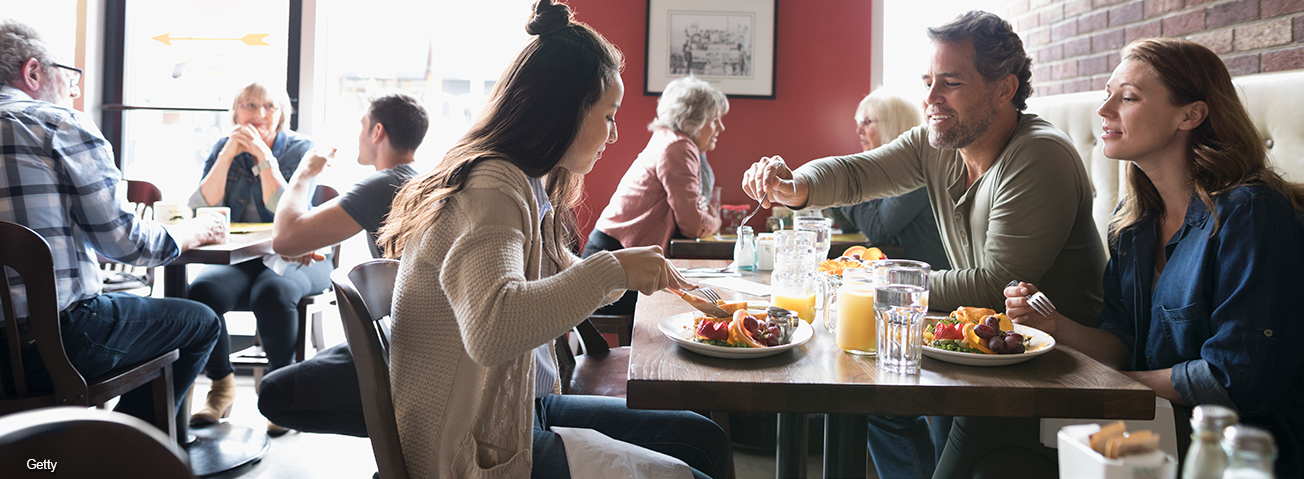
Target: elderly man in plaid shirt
57, 177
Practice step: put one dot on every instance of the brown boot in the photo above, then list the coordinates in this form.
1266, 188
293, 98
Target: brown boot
221, 395
275, 431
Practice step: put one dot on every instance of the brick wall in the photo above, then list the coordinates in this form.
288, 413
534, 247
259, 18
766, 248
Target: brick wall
1074, 44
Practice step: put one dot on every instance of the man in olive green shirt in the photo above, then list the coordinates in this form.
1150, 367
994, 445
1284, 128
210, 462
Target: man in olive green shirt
1010, 194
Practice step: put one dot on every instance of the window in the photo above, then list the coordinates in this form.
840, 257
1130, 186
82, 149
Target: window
448, 54
183, 61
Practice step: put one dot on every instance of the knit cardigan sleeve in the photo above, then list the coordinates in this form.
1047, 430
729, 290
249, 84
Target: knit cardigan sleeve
486, 274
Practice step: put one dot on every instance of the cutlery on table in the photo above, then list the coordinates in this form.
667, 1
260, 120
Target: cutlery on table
701, 304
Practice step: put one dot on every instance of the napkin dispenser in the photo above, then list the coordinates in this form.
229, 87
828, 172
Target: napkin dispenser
1078, 461
765, 251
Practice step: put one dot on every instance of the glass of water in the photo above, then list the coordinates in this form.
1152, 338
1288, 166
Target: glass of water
900, 301
823, 229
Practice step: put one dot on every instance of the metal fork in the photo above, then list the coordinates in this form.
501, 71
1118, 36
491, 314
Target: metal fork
759, 204
709, 292
1039, 302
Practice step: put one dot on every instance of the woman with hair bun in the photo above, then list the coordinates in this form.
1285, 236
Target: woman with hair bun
487, 281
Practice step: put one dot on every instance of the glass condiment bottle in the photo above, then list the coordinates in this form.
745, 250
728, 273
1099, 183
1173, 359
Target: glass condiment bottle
1205, 459
745, 249
1250, 452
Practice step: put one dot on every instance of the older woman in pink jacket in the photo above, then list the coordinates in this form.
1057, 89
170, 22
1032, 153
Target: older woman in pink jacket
667, 191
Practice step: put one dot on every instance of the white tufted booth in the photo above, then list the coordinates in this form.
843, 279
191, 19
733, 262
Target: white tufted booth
1275, 102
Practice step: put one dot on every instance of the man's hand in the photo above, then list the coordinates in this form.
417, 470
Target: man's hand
208, 228
306, 259
316, 161
770, 181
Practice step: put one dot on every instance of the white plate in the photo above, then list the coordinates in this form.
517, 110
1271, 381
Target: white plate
1039, 343
679, 328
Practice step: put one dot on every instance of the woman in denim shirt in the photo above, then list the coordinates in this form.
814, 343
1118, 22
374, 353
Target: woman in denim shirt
1215, 318
247, 172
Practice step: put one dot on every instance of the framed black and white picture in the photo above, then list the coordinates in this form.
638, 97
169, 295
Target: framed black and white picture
729, 43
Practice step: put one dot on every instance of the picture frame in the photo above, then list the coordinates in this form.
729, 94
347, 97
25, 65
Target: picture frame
730, 43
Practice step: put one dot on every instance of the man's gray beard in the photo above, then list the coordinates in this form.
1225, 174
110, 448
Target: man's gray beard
49, 92
964, 133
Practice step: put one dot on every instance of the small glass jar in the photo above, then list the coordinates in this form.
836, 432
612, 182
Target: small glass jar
1250, 451
1205, 458
745, 249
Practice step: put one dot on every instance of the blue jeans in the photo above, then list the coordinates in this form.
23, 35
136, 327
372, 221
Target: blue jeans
118, 329
685, 435
904, 446
319, 395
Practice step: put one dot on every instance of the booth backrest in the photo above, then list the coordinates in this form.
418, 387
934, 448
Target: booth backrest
1271, 98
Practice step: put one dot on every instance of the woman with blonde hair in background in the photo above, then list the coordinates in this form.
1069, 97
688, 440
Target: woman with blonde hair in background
487, 281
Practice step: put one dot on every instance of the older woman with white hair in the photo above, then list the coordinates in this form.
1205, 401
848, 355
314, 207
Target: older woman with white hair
667, 190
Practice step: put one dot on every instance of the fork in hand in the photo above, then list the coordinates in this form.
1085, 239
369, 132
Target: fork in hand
1039, 302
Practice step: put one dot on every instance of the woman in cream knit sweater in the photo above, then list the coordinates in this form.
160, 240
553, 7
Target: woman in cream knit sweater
487, 282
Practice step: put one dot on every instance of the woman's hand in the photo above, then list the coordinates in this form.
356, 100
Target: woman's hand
770, 181
647, 270
253, 143
234, 146
1020, 312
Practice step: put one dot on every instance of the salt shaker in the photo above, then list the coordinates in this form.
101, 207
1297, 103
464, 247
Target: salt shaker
745, 249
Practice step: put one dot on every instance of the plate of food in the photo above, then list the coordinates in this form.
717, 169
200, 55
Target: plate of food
735, 337
982, 337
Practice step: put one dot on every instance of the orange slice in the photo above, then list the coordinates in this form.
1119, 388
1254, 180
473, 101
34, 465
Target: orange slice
975, 341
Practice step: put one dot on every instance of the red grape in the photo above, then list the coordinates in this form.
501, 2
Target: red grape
984, 331
994, 323
1013, 345
996, 344
751, 325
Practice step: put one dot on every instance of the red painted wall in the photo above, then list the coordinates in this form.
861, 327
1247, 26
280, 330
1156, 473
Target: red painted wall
823, 63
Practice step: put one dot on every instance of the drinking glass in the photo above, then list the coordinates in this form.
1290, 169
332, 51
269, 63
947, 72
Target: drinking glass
900, 301
793, 280
854, 328
823, 229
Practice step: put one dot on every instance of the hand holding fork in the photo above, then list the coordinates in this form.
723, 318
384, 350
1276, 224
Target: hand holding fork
1036, 300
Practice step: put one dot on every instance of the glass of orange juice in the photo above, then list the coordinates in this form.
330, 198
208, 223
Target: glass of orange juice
793, 279
855, 328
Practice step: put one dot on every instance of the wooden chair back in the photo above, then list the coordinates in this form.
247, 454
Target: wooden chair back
28, 255
364, 294
87, 443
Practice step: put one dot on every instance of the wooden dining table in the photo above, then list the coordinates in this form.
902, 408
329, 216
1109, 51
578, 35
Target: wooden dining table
224, 446
818, 377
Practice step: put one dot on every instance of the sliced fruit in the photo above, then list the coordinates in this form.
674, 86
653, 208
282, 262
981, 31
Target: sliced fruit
1006, 324
857, 250
872, 254
731, 307
738, 334
974, 340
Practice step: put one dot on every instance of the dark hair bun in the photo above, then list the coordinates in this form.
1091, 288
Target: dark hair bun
548, 17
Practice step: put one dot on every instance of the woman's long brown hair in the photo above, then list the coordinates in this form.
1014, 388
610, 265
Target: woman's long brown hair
1226, 149
533, 115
